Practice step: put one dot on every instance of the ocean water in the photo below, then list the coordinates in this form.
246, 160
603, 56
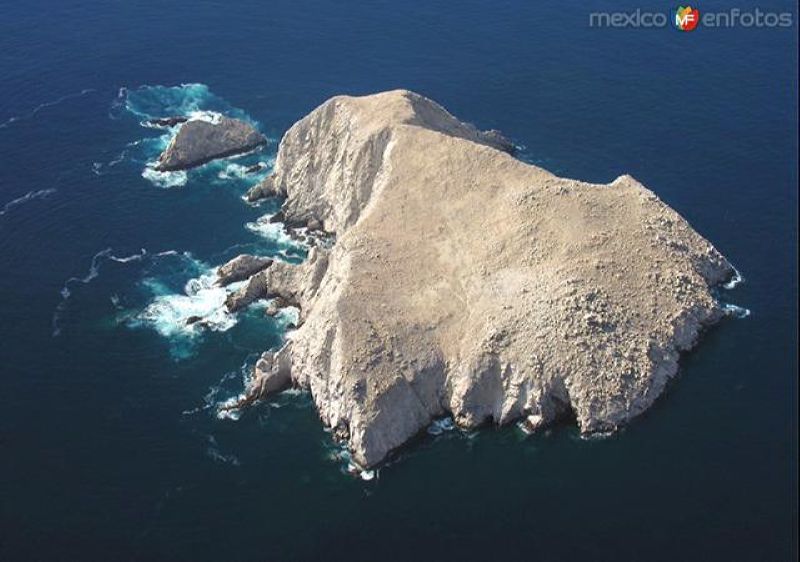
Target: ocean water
111, 446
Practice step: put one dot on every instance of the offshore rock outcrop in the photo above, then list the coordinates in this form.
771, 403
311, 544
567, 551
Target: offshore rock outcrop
199, 141
465, 282
166, 122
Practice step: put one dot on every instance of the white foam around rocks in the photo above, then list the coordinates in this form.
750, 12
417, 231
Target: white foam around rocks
165, 179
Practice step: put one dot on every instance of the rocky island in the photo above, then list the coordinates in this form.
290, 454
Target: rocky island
199, 141
465, 282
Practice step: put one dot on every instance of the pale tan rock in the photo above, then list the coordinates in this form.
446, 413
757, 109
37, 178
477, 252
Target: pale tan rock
464, 281
240, 268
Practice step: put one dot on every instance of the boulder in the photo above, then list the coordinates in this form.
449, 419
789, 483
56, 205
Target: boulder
498, 140
240, 268
255, 289
263, 189
271, 374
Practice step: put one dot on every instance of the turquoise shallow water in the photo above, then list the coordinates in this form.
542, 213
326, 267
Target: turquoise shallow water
109, 442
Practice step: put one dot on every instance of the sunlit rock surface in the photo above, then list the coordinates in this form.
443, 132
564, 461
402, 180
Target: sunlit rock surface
466, 282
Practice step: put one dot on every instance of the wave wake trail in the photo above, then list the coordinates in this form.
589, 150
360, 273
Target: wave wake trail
30, 196
42, 106
94, 271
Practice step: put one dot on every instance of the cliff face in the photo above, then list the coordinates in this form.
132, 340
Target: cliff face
464, 281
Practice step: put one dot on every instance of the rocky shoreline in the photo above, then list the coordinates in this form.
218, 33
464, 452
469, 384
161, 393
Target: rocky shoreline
464, 282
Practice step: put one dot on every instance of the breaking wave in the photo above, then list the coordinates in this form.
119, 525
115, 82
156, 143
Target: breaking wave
236, 171
732, 310
178, 297
187, 100
338, 453
185, 304
164, 179
735, 311
437, 427
734, 281
276, 235
182, 302
201, 306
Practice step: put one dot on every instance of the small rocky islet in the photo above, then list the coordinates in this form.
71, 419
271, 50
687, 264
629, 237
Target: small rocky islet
459, 281
201, 140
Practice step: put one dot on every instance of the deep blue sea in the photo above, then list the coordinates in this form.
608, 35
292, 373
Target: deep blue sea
110, 446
